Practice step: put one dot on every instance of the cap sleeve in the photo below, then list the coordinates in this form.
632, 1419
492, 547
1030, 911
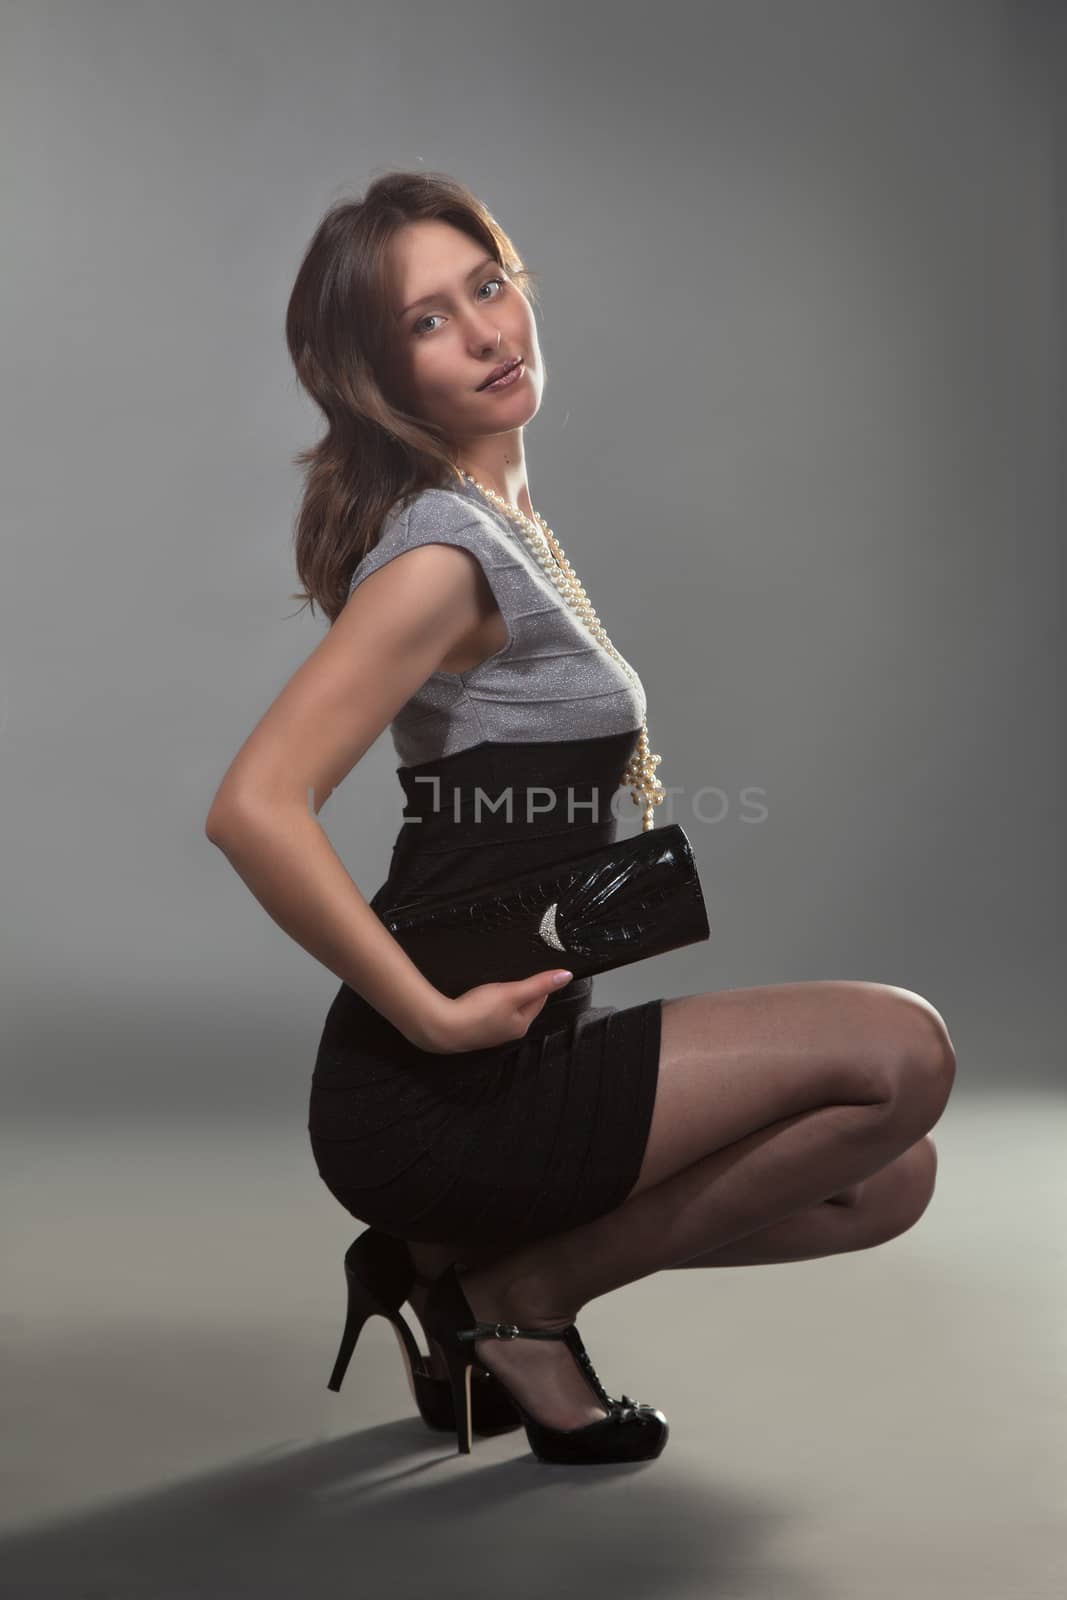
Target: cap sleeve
439, 516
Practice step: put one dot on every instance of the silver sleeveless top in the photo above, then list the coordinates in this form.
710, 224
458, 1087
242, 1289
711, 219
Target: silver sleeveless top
551, 680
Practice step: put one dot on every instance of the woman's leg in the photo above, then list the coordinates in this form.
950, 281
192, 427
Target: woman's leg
869, 1213
862, 1214
856, 1218
770, 1101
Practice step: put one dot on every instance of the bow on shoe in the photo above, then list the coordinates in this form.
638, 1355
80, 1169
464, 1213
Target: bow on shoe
626, 1410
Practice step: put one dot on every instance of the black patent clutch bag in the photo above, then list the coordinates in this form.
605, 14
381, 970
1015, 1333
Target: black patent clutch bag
623, 903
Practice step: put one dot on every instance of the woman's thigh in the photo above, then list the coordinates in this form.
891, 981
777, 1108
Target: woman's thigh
737, 1060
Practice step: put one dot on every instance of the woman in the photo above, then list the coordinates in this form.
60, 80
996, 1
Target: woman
517, 1147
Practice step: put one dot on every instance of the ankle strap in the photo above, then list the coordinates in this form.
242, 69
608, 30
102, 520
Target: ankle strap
508, 1330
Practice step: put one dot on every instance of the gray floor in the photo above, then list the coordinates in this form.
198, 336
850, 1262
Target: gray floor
890, 1425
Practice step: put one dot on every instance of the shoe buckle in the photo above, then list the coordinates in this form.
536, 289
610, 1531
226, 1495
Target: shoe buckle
505, 1330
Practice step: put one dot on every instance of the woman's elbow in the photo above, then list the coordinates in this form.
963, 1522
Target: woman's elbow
214, 825
223, 817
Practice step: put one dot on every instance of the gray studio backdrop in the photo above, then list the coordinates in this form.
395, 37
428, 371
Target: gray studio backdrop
800, 277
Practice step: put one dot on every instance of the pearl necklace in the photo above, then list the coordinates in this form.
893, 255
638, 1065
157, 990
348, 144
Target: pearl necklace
640, 774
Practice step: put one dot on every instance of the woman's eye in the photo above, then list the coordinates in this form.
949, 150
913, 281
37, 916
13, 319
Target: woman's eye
418, 326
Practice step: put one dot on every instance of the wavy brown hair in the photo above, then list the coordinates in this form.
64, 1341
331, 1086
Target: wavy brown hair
373, 453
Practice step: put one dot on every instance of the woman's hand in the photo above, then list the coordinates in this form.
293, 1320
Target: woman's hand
490, 1014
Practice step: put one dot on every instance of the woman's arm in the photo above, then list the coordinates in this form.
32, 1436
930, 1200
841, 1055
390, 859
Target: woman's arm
397, 627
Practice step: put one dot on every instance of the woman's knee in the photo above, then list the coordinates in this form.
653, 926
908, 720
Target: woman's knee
905, 1191
915, 1052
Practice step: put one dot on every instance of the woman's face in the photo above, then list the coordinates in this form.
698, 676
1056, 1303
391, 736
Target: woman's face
469, 319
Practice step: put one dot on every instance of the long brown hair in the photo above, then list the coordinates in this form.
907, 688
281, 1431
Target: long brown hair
373, 453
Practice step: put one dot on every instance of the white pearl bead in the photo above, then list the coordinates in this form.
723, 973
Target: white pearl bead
550, 556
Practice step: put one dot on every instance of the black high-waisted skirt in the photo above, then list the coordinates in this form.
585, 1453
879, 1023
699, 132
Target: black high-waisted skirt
497, 1146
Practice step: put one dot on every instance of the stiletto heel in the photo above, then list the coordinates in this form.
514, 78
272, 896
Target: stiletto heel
629, 1432
361, 1305
459, 1377
379, 1275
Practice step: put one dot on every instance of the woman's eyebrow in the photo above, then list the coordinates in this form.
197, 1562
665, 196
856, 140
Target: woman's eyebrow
487, 261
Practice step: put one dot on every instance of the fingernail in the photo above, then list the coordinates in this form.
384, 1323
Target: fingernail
561, 977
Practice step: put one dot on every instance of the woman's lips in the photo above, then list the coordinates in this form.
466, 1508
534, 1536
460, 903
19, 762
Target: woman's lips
512, 375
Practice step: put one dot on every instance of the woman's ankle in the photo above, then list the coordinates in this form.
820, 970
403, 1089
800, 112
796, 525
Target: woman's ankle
507, 1292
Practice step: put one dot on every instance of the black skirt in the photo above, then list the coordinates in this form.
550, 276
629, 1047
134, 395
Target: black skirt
498, 1146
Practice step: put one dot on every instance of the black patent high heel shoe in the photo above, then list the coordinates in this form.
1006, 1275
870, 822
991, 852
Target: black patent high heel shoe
629, 1432
379, 1274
